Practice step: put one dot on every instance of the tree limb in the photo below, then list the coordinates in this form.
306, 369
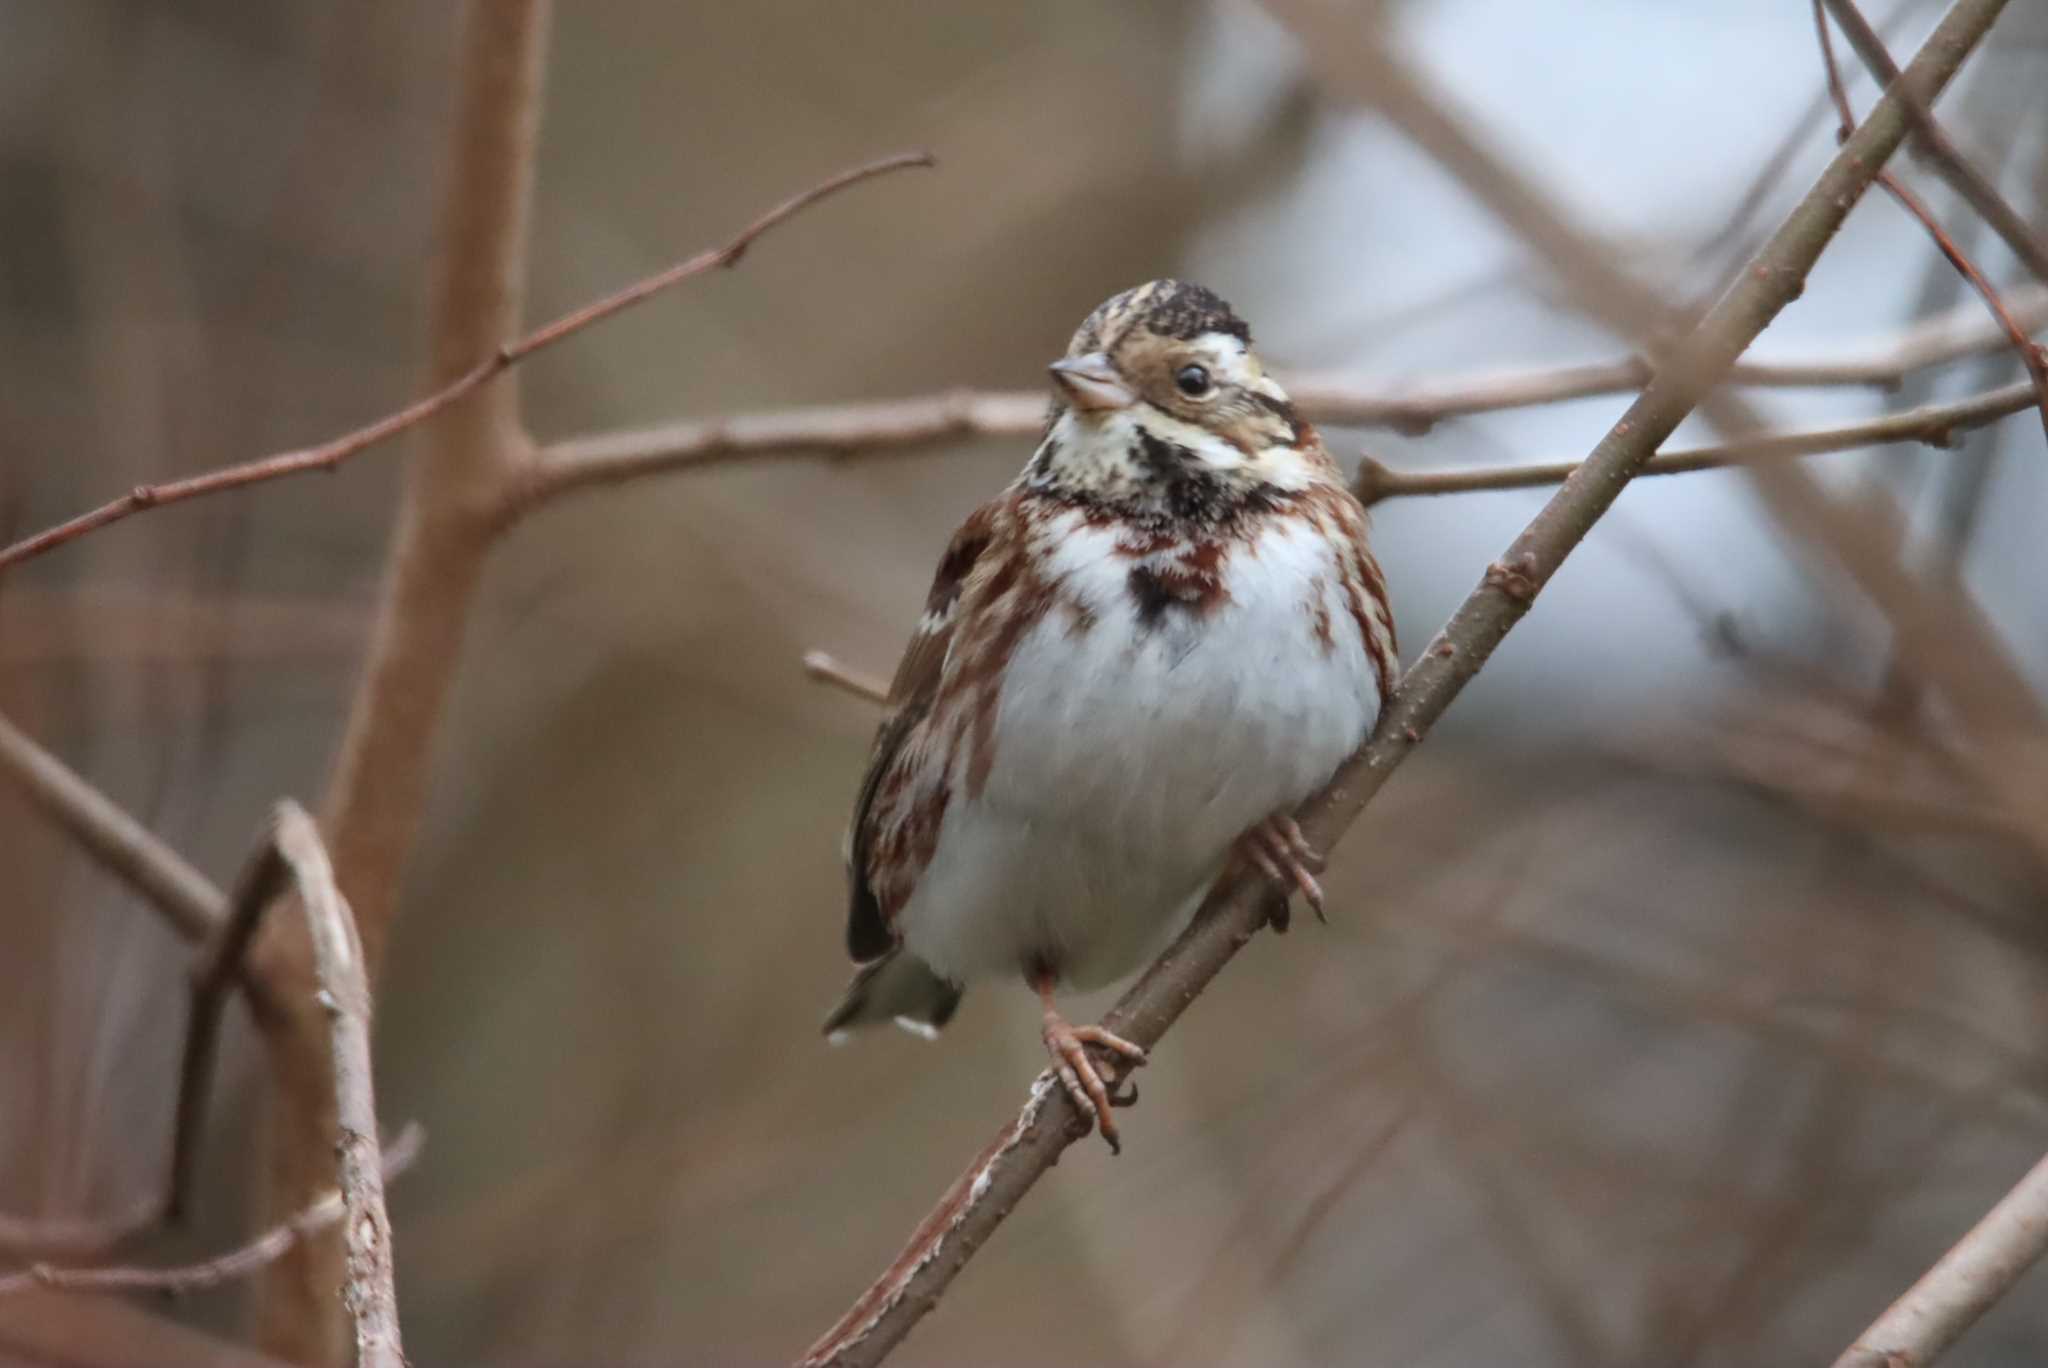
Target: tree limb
368, 1291
187, 899
1967, 1282
1976, 189
1935, 424
239, 1262
1025, 1148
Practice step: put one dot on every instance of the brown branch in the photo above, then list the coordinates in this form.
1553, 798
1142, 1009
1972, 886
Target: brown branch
828, 669
368, 1291
1969, 1279
240, 1262
187, 899
1934, 424
2035, 358
473, 375
1025, 1148
890, 425
1929, 141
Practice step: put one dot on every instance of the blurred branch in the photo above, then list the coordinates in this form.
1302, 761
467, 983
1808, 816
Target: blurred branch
2035, 358
1968, 1280
1948, 161
471, 375
239, 1262
885, 426
827, 668
1027, 1147
1934, 424
454, 488
191, 904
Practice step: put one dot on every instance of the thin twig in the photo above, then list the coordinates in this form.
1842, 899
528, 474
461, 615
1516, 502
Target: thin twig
1934, 424
240, 1262
891, 425
1028, 1146
827, 668
369, 1291
188, 900
330, 454
1963, 176
2033, 356
1965, 1284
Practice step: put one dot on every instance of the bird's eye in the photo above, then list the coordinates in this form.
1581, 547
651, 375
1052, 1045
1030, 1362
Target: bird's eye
1192, 380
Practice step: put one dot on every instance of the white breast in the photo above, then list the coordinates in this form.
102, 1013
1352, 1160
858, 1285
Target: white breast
1130, 755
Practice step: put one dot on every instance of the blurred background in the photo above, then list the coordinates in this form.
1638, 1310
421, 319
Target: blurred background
1668, 1013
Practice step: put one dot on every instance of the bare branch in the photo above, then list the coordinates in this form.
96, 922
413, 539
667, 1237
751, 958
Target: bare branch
473, 375
240, 1262
1948, 161
827, 669
1934, 424
188, 900
1025, 1148
891, 425
2035, 358
1965, 1284
368, 1292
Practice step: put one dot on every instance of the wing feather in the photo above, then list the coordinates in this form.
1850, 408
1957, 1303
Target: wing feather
869, 932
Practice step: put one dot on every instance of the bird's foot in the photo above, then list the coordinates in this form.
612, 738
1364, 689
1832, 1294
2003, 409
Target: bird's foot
1082, 1077
1278, 850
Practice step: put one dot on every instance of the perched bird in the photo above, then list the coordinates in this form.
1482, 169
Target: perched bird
1134, 664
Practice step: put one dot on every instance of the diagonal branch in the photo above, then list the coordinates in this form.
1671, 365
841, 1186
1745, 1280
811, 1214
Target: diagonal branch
127, 849
1935, 424
1957, 1291
471, 376
239, 1262
2035, 358
1028, 1146
1948, 161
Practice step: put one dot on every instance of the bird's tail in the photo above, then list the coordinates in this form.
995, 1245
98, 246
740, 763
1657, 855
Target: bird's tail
898, 987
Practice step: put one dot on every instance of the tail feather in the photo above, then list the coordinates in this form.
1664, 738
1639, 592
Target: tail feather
897, 987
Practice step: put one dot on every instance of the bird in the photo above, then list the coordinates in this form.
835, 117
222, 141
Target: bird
1133, 665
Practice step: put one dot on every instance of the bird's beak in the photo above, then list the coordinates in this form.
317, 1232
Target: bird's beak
1091, 382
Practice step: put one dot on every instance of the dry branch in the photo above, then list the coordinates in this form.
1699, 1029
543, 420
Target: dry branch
2033, 357
1934, 424
1930, 142
1965, 1284
186, 898
1025, 1148
472, 374
829, 669
368, 1291
892, 425
240, 1262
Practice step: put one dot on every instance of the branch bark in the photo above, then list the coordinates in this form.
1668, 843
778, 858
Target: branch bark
185, 1279
369, 1291
1976, 189
1025, 1148
1966, 1283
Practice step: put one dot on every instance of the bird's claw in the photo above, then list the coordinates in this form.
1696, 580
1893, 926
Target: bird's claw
1278, 850
1082, 1077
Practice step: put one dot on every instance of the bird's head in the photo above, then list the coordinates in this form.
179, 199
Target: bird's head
1160, 397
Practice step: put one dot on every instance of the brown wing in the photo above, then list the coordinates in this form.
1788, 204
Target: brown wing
869, 934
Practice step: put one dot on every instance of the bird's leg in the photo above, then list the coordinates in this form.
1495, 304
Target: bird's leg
1278, 850
1078, 1074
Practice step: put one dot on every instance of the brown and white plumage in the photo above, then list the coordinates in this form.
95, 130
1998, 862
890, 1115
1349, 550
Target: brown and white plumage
1142, 655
